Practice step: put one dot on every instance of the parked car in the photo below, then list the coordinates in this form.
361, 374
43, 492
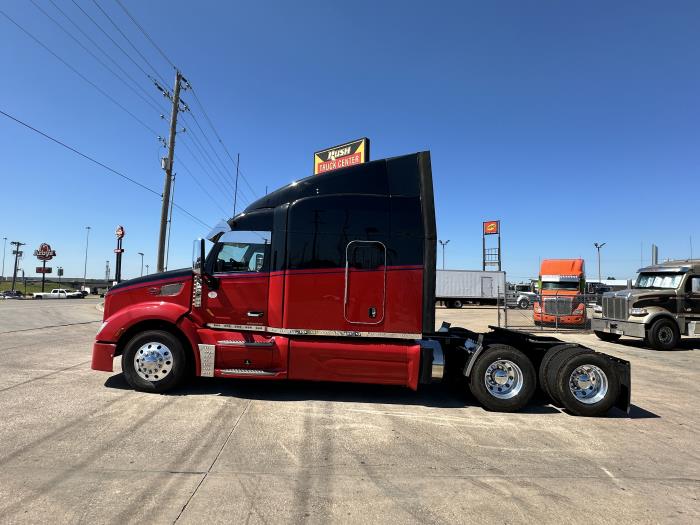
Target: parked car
58, 293
11, 294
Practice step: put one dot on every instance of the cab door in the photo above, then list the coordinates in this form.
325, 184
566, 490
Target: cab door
691, 301
238, 293
365, 282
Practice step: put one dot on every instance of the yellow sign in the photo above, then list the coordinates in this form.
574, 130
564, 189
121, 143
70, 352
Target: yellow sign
343, 156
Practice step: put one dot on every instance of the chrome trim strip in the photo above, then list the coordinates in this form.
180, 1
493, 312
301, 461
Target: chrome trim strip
207, 353
323, 333
227, 342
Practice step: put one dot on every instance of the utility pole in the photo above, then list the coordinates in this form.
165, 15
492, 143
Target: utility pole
87, 243
16, 253
4, 245
598, 246
443, 243
168, 167
141, 254
235, 191
147, 266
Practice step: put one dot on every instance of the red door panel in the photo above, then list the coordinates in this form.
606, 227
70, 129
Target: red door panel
239, 299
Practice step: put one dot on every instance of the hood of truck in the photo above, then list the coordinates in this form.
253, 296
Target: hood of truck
641, 298
173, 286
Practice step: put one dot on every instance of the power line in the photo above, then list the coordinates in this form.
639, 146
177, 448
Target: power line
146, 35
106, 54
93, 55
133, 61
95, 161
165, 57
74, 70
204, 112
128, 40
205, 170
202, 187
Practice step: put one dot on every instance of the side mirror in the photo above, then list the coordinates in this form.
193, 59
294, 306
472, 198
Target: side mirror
198, 257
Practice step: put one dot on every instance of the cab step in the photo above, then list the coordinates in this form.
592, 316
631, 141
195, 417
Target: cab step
245, 372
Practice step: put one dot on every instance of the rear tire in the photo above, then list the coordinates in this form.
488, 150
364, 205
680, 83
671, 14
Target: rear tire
664, 334
587, 385
545, 363
555, 364
607, 336
503, 379
154, 361
457, 303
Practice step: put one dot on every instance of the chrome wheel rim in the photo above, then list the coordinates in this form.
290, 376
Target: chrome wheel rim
588, 384
665, 335
153, 361
503, 379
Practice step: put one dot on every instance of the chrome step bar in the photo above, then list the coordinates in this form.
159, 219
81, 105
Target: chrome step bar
246, 372
247, 343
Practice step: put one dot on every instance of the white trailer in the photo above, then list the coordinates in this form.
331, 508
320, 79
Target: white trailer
457, 287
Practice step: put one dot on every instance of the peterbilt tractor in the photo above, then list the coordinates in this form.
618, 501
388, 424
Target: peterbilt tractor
662, 305
332, 278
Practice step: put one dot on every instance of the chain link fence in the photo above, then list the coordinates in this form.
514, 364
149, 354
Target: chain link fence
557, 311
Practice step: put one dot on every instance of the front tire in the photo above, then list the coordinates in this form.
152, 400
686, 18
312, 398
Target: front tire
607, 336
154, 361
523, 304
503, 379
587, 385
664, 334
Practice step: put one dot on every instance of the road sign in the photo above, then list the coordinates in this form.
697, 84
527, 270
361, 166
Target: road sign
119, 250
60, 272
44, 253
491, 227
45, 269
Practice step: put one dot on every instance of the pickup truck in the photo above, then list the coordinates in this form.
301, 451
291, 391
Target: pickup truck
58, 293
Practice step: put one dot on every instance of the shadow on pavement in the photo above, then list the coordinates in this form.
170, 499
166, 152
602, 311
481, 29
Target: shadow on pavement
686, 344
435, 396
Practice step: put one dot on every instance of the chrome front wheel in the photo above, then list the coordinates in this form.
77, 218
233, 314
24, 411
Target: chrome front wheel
153, 361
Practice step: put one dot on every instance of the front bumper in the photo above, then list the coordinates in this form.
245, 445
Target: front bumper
103, 356
613, 326
572, 320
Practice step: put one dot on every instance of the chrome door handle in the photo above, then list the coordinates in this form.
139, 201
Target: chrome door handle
256, 314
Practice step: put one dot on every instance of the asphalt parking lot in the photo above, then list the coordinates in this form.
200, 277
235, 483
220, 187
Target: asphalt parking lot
78, 446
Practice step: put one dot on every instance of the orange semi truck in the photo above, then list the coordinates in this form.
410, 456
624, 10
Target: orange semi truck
562, 283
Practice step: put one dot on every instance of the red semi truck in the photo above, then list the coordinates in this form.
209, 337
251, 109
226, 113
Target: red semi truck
332, 278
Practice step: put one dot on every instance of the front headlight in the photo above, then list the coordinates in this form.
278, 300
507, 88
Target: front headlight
598, 309
638, 311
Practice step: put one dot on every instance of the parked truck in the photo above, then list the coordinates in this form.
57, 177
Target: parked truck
562, 284
58, 293
663, 305
332, 278
455, 288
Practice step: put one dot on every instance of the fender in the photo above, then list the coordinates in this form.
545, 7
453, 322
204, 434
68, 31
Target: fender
125, 318
655, 316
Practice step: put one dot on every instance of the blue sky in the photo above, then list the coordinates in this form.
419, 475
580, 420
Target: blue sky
571, 122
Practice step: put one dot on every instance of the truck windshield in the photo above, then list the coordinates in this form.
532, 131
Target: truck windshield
560, 285
658, 280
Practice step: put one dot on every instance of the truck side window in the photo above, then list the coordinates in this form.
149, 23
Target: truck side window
695, 285
363, 255
242, 252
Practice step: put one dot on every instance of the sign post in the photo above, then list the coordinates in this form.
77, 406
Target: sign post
491, 256
44, 253
119, 250
342, 156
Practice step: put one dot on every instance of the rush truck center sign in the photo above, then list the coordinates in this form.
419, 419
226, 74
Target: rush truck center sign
342, 156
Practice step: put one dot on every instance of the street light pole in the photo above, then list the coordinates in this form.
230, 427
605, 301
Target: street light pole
141, 254
443, 243
87, 243
598, 246
4, 245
